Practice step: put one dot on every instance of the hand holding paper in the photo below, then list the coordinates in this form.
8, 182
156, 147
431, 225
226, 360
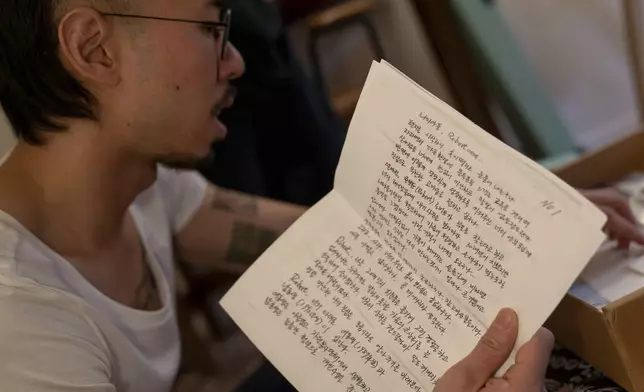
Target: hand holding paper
476, 372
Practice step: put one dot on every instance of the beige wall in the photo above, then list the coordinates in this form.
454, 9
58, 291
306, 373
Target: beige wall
579, 51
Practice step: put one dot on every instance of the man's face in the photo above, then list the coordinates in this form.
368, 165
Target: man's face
173, 82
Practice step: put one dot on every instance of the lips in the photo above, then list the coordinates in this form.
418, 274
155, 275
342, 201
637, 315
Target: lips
222, 130
227, 101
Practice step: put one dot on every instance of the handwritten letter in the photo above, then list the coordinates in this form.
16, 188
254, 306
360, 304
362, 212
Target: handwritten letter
395, 275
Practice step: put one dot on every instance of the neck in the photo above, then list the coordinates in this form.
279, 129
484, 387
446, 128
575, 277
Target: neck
81, 181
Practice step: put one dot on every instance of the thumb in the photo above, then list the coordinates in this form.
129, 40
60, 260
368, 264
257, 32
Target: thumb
532, 360
488, 356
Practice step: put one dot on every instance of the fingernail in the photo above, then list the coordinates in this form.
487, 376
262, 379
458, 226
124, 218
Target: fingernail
505, 319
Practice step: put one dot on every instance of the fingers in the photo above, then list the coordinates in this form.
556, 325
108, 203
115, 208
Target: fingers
532, 361
610, 197
621, 229
488, 356
497, 385
620, 204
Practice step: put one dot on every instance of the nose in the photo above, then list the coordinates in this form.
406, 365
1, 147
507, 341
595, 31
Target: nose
233, 65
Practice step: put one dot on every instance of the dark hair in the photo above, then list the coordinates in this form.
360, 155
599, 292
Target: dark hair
36, 91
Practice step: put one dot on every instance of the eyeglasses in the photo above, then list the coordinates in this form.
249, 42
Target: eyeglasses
224, 24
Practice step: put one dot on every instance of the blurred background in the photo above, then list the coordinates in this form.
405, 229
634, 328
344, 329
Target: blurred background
569, 61
551, 78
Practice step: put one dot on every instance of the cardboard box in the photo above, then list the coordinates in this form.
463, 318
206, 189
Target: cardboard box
610, 337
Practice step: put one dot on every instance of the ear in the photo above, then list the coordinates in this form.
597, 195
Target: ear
84, 37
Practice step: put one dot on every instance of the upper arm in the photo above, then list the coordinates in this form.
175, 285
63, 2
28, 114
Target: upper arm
228, 226
46, 348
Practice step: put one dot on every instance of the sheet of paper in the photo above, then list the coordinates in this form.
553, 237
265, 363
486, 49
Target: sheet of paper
331, 307
396, 274
513, 238
540, 178
586, 293
614, 273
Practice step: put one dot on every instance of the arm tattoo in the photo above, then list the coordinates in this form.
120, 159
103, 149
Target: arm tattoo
249, 242
235, 202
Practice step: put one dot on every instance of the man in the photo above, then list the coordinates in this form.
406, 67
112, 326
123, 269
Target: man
89, 222
105, 97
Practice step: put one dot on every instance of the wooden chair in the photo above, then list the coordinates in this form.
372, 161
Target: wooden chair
343, 14
294, 11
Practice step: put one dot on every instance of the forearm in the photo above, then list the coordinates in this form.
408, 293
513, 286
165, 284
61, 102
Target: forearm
234, 229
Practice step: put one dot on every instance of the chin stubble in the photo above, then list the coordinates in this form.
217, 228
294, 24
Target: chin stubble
188, 163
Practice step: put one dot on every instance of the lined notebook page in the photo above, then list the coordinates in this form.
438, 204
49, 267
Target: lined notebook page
432, 228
